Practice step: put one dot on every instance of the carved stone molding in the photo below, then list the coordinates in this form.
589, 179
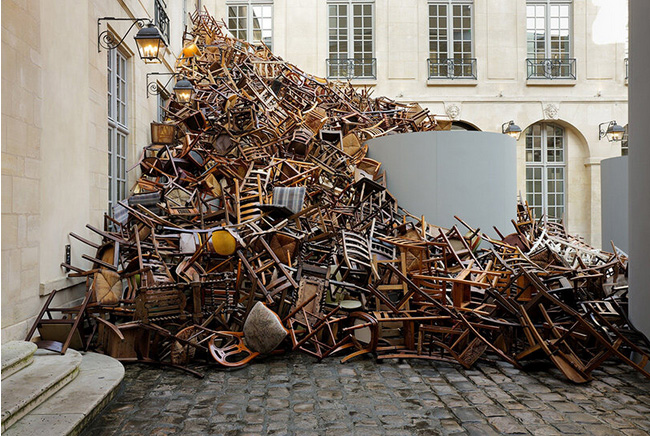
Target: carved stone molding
551, 111
453, 111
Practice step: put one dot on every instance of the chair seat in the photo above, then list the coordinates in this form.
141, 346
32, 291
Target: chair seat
350, 304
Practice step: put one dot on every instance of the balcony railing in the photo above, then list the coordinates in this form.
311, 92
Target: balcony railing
351, 68
442, 68
551, 68
162, 20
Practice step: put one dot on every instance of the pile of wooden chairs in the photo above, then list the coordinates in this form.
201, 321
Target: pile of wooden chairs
258, 225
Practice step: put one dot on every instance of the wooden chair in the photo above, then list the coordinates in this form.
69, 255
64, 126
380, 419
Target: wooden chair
64, 327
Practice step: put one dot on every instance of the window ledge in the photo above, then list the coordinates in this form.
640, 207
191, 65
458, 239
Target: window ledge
551, 82
60, 284
452, 82
363, 82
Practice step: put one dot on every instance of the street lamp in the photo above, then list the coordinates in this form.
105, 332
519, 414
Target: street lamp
613, 131
183, 90
150, 43
511, 129
149, 40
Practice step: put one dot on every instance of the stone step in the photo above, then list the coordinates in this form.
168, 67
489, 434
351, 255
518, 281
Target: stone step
15, 356
31, 386
69, 410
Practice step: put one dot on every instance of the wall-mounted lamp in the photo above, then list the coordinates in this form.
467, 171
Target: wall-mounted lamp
183, 90
150, 41
511, 129
613, 131
155, 88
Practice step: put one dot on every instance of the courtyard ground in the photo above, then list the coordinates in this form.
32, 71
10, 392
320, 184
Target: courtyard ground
296, 395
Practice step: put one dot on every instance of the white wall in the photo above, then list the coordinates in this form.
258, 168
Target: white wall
54, 140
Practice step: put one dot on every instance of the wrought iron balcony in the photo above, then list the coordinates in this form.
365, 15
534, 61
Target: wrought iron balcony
351, 68
162, 20
551, 68
443, 68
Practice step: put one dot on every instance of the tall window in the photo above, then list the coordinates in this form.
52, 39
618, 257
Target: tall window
548, 39
251, 21
163, 98
450, 39
162, 20
118, 130
351, 40
624, 147
545, 170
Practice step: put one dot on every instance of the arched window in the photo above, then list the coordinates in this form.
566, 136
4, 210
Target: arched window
545, 170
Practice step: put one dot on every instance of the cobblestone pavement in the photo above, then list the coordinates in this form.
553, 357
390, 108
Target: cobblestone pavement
294, 395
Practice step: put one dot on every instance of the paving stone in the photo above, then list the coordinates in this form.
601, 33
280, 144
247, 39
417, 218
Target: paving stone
582, 418
468, 414
507, 425
570, 428
634, 432
544, 430
293, 395
478, 429
528, 418
491, 410
303, 408
450, 426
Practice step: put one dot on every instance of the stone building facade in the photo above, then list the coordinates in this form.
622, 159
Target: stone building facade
74, 119
557, 66
55, 135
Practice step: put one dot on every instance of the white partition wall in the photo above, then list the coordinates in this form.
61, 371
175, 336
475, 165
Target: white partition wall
639, 155
442, 174
614, 202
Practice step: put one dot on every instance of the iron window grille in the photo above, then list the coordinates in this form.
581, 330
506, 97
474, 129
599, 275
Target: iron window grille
551, 68
162, 20
441, 68
349, 68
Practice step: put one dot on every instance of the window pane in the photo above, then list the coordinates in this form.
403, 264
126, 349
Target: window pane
545, 179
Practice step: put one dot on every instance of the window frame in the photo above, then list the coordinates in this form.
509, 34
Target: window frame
544, 165
161, 18
118, 126
452, 61
546, 66
351, 63
547, 25
249, 19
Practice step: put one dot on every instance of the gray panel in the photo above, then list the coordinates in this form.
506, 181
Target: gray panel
639, 155
442, 174
614, 202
